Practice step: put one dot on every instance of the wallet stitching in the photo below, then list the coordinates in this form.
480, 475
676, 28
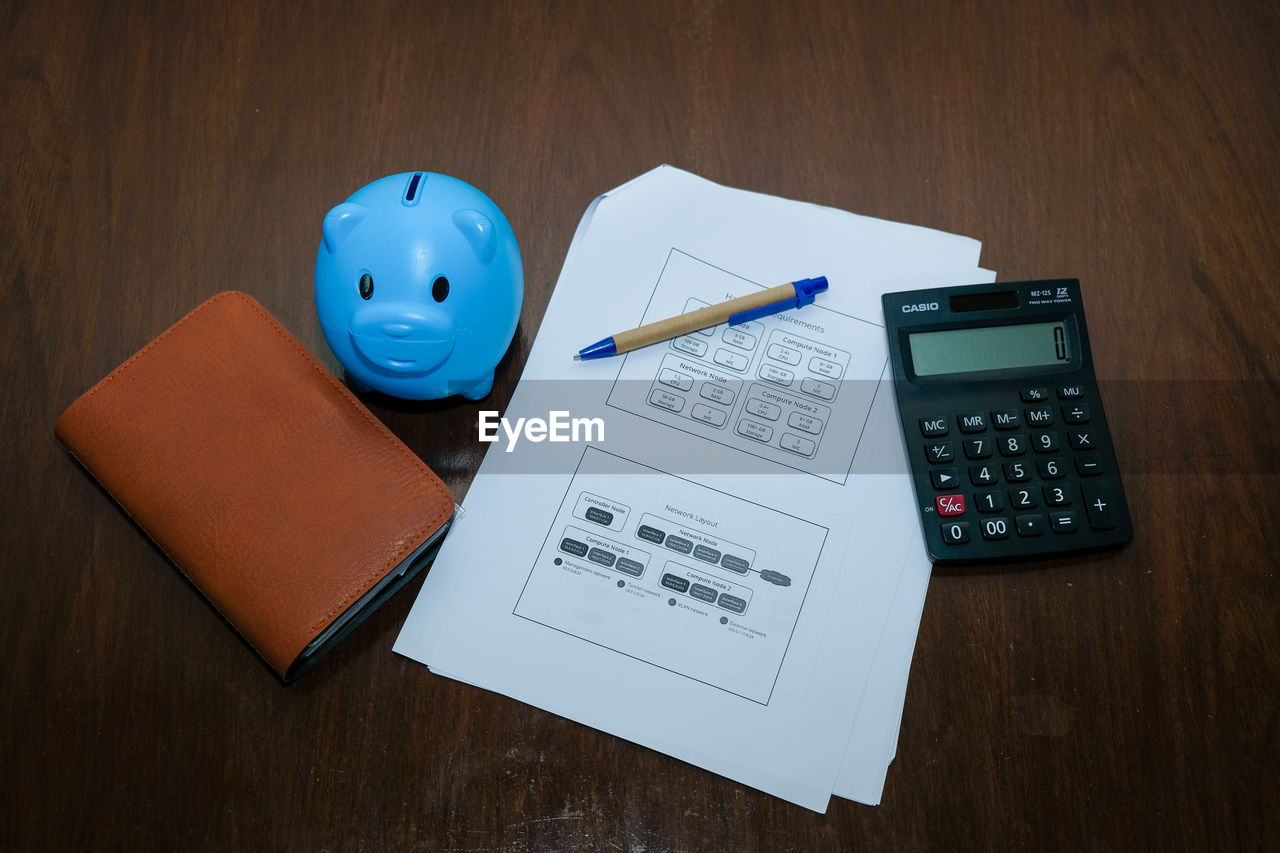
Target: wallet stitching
433, 482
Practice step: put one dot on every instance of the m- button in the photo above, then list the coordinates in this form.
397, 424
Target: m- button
1006, 419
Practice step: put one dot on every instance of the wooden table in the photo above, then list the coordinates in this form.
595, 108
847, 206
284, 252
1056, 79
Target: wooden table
153, 154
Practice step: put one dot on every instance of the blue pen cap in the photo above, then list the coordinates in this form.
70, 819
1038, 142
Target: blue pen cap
806, 289
810, 287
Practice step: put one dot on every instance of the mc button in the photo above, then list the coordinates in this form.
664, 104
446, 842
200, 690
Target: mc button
933, 427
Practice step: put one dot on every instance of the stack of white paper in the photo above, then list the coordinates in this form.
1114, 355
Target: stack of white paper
733, 572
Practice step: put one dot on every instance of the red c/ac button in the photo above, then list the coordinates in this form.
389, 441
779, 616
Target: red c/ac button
949, 504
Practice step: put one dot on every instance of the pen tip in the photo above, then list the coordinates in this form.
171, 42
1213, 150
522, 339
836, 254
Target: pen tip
577, 357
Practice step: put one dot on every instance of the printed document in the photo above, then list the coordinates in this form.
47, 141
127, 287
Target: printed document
708, 546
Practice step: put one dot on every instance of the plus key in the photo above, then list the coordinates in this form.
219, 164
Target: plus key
1101, 506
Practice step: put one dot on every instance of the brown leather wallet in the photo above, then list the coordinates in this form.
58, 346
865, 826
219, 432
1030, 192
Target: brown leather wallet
292, 508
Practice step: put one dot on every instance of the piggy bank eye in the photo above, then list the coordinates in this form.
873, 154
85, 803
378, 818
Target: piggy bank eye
366, 286
440, 289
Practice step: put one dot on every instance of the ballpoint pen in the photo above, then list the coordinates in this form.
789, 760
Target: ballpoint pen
736, 311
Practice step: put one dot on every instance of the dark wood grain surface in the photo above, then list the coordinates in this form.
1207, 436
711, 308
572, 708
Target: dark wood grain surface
153, 154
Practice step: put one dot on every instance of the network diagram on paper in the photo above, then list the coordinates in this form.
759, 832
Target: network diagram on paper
696, 580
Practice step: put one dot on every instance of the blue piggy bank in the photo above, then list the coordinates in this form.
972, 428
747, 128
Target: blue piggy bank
419, 286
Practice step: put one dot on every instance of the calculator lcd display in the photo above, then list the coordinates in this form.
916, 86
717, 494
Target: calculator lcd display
988, 348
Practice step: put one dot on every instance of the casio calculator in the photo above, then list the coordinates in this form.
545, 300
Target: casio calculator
1008, 444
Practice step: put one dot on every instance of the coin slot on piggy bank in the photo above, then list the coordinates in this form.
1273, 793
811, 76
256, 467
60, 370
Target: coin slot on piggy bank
418, 285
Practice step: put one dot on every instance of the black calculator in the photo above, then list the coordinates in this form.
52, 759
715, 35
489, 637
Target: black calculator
1008, 444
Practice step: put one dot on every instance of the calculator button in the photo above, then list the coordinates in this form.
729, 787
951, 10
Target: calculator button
1012, 445
978, 448
982, 475
955, 532
949, 504
1064, 521
1006, 419
1022, 499
933, 427
1088, 466
995, 528
1070, 392
1039, 416
1046, 442
988, 501
1057, 495
1101, 506
1034, 395
977, 422
1076, 413
1017, 472
1051, 469
945, 478
1030, 525
1082, 440
940, 451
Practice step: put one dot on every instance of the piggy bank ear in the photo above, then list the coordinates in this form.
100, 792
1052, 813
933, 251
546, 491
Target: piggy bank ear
479, 231
339, 222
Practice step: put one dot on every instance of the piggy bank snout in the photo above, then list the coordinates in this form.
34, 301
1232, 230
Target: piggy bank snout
403, 337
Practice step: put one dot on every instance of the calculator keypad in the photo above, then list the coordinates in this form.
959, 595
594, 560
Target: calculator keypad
1005, 430
1028, 468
